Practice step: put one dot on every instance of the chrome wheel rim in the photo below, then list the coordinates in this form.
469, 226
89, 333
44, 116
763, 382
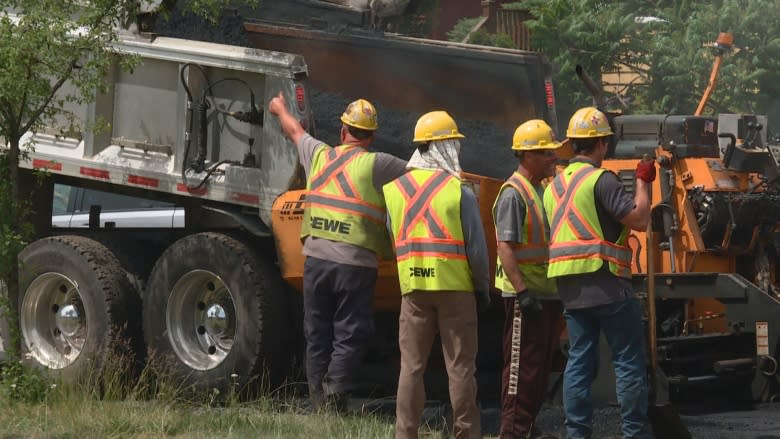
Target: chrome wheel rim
201, 319
53, 320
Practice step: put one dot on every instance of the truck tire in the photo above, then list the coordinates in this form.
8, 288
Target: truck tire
215, 316
77, 310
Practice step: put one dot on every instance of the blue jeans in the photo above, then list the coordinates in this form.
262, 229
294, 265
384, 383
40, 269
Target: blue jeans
622, 326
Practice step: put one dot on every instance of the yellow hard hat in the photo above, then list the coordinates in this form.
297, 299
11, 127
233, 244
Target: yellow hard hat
436, 125
360, 114
532, 135
588, 122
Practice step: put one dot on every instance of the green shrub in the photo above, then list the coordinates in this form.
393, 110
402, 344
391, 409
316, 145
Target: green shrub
484, 38
462, 28
419, 19
20, 383
480, 37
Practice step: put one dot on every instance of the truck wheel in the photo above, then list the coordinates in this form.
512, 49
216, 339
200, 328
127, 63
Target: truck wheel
76, 310
215, 314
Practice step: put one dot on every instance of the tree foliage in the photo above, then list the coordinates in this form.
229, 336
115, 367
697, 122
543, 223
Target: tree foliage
462, 28
664, 42
54, 54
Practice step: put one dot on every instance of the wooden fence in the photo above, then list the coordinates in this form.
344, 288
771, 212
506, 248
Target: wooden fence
512, 23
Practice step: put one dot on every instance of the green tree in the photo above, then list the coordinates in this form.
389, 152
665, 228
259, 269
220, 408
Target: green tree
664, 42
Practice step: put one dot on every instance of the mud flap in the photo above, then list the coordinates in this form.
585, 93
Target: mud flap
663, 414
666, 422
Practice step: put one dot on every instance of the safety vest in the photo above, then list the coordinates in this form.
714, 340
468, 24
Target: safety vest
532, 250
577, 243
342, 203
424, 210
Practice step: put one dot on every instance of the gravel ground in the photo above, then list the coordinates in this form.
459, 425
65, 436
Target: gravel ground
759, 422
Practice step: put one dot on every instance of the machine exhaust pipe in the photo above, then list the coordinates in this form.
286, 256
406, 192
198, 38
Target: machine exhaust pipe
735, 366
598, 95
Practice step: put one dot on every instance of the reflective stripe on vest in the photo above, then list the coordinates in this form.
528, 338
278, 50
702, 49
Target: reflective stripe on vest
424, 210
535, 245
356, 206
342, 203
574, 239
532, 252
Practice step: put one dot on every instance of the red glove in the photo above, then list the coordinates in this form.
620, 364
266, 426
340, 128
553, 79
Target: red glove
645, 171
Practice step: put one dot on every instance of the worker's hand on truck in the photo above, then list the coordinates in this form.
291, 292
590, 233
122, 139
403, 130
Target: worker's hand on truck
529, 305
645, 170
277, 105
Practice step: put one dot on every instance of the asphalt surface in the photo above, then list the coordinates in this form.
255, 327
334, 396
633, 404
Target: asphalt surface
757, 422
717, 421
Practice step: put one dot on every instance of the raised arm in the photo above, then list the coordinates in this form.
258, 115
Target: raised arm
291, 127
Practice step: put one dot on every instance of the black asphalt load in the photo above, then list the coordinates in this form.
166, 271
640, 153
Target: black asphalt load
485, 151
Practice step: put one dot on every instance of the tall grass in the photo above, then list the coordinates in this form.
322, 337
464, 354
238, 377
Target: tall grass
91, 418
152, 405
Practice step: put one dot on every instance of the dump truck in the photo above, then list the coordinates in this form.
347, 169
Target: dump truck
215, 302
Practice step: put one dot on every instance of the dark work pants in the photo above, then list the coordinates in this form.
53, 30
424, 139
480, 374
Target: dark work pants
338, 320
526, 373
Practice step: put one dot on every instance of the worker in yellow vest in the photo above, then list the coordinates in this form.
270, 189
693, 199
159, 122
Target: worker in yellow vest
533, 316
590, 215
443, 271
344, 228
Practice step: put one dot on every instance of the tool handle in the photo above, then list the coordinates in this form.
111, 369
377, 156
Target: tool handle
651, 315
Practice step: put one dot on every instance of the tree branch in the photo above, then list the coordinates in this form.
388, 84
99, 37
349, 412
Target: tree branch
8, 117
34, 115
23, 101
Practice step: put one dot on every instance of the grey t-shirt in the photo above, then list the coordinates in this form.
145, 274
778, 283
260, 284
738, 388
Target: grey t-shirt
601, 287
509, 215
386, 168
474, 236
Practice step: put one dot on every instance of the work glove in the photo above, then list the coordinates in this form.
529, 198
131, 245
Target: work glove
529, 305
483, 301
645, 171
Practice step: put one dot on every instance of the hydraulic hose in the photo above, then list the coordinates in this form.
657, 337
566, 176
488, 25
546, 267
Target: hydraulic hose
200, 110
201, 140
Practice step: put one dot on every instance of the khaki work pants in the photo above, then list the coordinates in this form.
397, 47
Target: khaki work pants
453, 315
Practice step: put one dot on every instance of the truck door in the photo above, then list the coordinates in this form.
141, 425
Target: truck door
63, 204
